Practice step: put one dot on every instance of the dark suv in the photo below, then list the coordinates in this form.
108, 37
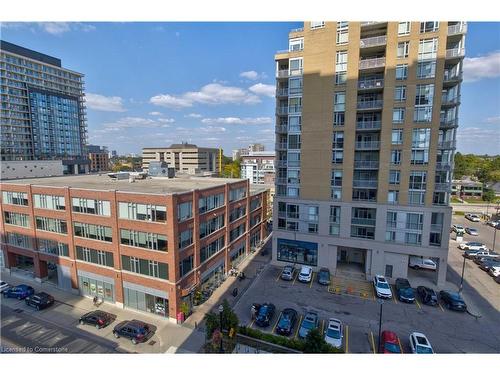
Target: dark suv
427, 295
135, 330
404, 291
265, 315
97, 318
39, 300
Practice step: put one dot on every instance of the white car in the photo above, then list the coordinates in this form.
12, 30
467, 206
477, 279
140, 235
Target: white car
419, 344
472, 246
334, 333
419, 262
473, 217
382, 288
3, 286
457, 228
305, 274
494, 271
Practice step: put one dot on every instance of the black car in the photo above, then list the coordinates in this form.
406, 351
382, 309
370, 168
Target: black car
486, 264
135, 330
287, 322
265, 315
427, 295
97, 318
497, 279
324, 276
39, 300
404, 291
452, 300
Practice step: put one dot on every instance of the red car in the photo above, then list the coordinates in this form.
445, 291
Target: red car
390, 343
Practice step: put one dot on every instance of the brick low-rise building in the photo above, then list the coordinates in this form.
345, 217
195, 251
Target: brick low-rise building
146, 245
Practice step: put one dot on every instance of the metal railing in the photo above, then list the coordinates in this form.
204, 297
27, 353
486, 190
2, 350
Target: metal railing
368, 23
295, 109
281, 128
281, 146
282, 91
455, 52
414, 226
366, 164
281, 163
451, 75
373, 41
443, 166
459, 28
365, 183
370, 104
363, 221
447, 144
448, 123
372, 63
282, 51
282, 110
371, 83
282, 73
367, 145
442, 186
368, 125
450, 101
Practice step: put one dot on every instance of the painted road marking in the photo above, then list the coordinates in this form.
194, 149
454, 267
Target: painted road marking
441, 307
322, 326
400, 346
312, 279
279, 275
251, 323
373, 342
418, 304
275, 324
295, 278
298, 327
347, 339
393, 295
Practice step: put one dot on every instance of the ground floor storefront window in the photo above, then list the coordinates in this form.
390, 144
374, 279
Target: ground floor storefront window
142, 301
91, 287
254, 240
238, 254
213, 278
301, 252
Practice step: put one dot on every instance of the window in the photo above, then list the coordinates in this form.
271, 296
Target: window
403, 50
296, 66
429, 26
51, 225
398, 115
186, 265
15, 218
340, 78
294, 141
427, 49
388, 270
413, 238
423, 103
14, 197
342, 32
435, 238
295, 86
317, 24
404, 28
294, 123
338, 140
49, 202
390, 236
91, 206
418, 180
145, 267
145, 240
211, 249
334, 220
400, 93
393, 196
296, 44
95, 232
341, 68
300, 252
336, 184
237, 232
414, 221
184, 211
185, 238
313, 213
401, 71
396, 157
237, 194
420, 146
103, 258
18, 240
255, 203
210, 203
394, 177
237, 213
254, 220
397, 137
339, 101
426, 69
143, 212
211, 225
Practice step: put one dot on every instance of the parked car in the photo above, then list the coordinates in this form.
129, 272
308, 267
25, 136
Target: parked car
427, 295
452, 300
97, 318
473, 217
305, 274
39, 300
324, 276
287, 322
390, 343
420, 262
20, 292
135, 330
493, 223
287, 273
488, 264
472, 246
419, 344
472, 231
265, 315
3, 286
404, 291
458, 229
334, 333
494, 270
382, 288
310, 322
469, 254
497, 279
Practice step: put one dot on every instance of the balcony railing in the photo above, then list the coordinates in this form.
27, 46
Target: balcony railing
450, 101
414, 226
363, 221
459, 28
450, 75
455, 52
281, 163
442, 186
282, 110
373, 83
370, 104
367, 145
281, 146
448, 123
295, 109
368, 23
365, 183
366, 164
373, 41
377, 62
281, 180
368, 125
443, 166
281, 128
447, 144
282, 91
297, 30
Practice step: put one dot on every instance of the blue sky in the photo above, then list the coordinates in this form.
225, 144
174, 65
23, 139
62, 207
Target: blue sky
153, 84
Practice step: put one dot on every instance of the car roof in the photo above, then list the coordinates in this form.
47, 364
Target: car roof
310, 314
335, 323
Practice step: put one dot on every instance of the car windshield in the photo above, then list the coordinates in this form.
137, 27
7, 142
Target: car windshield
284, 321
333, 333
391, 347
308, 323
382, 285
424, 349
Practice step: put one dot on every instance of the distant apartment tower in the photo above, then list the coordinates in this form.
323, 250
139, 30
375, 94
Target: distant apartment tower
42, 109
366, 118
184, 157
258, 167
99, 158
252, 147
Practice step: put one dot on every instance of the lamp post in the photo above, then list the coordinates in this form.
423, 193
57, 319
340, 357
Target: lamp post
494, 237
462, 278
381, 302
221, 310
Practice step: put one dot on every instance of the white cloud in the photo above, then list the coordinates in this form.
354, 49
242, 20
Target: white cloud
166, 120
155, 113
53, 28
477, 68
493, 120
212, 129
104, 103
251, 74
263, 89
193, 115
478, 140
132, 123
238, 120
213, 93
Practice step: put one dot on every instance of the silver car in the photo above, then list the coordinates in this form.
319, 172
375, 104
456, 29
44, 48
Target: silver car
310, 322
287, 273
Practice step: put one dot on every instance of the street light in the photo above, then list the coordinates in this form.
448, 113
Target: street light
381, 302
462, 278
221, 310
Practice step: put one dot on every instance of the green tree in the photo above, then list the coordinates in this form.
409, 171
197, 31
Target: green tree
315, 343
229, 320
488, 195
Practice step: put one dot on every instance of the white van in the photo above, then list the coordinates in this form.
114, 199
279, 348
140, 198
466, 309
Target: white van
420, 262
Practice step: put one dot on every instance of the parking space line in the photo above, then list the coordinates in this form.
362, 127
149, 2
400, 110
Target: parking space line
295, 278
400, 346
279, 275
347, 339
373, 343
322, 326
312, 280
441, 307
298, 327
418, 304
251, 323
393, 295
275, 324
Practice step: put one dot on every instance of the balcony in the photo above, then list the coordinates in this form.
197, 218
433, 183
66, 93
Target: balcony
281, 128
448, 123
363, 221
281, 163
367, 84
443, 166
294, 109
366, 164
281, 180
447, 144
445, 101
414, 226
368, 125
455, 53
377, 62
370, 184
373, 41
370, 104
442, 186
282, 91
281, 146
452, 76
367, 145
282, 111
371, 23
459, 28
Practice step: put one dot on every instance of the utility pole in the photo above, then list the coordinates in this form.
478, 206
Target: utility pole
381, 302
462, 279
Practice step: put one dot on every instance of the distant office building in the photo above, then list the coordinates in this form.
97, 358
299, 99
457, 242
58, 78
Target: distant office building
113, 154
236, 154
99, 158
42, 109
184, 157
252, 147
258, 167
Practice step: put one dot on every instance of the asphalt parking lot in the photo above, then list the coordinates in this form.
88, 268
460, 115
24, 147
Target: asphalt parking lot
448, 331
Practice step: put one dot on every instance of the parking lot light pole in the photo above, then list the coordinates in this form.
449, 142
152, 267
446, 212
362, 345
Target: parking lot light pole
221, 310
462, 278
381, 302
494, 237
